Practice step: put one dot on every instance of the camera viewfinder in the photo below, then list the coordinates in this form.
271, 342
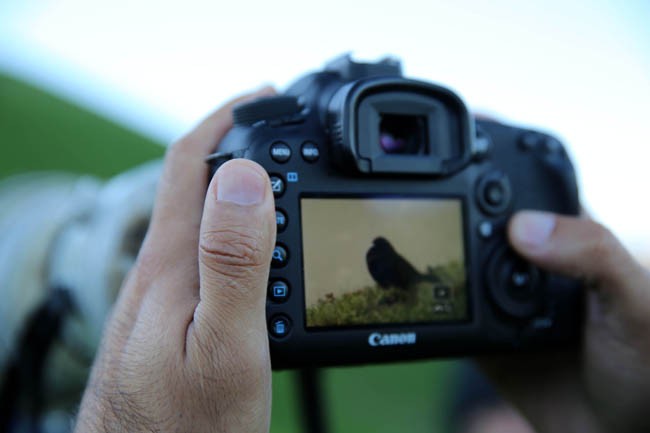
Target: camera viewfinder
400, 134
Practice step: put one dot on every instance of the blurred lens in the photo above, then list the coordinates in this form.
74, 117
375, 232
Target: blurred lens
400, 134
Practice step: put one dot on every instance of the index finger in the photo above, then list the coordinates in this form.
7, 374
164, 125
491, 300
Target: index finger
177, 213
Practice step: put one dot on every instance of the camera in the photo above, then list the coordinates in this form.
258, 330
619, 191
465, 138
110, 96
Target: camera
392, 204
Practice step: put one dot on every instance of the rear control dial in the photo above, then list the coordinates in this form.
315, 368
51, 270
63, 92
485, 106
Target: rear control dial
514, 284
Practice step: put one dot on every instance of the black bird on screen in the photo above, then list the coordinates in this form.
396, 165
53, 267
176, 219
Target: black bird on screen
388, 268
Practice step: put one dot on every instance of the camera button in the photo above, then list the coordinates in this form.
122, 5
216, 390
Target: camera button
552, 146
494, 193
280, 152
530, 140
520, 285
277, 185
310, 151
280, 220
278, 291
485, 229
279, 257
279, 326
482, 143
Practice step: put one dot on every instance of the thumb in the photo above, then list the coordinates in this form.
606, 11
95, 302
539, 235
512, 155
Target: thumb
236, 241
577, 248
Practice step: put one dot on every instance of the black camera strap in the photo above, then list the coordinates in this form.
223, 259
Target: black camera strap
21, 395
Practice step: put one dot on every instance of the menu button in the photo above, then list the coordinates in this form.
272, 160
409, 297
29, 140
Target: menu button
280, 152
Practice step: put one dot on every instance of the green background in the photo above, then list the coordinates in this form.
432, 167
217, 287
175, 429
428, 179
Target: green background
41, 132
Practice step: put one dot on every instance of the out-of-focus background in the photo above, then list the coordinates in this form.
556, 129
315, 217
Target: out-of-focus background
98, 88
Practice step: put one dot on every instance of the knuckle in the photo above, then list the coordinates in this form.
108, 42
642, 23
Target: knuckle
178, 150
181, 146
603, 245
147, 268
236, 365
187, 148
231, 249
147, 261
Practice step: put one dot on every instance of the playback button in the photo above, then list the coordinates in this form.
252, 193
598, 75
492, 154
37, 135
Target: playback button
278, 291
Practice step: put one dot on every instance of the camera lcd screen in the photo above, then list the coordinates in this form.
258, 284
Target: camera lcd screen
371, 261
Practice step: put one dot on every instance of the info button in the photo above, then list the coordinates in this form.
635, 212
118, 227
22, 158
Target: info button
309, 151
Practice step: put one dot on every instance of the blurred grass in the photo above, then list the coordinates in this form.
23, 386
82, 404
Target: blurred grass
409, 397
41, 132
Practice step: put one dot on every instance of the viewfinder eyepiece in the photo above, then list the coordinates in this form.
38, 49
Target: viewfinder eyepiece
387, 125
400, 134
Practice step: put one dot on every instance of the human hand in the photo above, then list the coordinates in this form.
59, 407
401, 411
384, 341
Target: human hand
186, 346
603, 386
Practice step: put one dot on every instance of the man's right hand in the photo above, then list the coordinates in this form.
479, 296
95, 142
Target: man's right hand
603, 386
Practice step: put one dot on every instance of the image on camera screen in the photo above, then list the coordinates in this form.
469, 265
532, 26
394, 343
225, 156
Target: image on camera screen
370, 261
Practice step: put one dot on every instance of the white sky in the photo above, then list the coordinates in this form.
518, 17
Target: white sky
580, 69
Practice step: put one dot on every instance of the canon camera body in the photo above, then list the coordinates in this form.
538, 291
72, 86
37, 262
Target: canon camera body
391, 207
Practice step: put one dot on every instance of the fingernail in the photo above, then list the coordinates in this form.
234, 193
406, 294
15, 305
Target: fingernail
532, 228
238, 182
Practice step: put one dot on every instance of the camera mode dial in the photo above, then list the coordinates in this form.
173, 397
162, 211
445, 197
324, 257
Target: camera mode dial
281, 108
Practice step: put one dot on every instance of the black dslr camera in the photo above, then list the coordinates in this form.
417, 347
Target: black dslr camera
391, 209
